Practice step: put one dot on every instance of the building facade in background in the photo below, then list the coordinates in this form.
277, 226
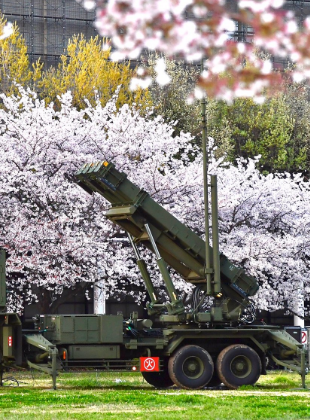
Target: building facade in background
47, 25
244, 33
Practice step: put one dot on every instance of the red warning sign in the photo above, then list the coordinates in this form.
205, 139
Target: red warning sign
304, 337
149, 364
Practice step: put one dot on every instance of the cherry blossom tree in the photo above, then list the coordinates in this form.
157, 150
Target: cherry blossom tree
264, 226
196, 30
57, 237
201, 29
264, 223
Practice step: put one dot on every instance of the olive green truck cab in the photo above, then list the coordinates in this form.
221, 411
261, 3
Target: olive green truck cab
192, 346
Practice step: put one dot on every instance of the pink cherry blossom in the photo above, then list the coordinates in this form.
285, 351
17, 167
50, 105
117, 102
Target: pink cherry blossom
202, 29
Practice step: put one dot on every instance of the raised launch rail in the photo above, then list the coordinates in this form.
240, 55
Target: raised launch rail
173, 243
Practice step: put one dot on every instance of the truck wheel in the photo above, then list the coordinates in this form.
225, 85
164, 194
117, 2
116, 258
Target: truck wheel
191, 367
238, 365
158, 379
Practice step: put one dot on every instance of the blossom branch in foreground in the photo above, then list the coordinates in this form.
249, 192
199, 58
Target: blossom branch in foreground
196, 29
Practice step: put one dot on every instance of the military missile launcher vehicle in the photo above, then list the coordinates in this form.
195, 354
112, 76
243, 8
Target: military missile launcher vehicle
192, 347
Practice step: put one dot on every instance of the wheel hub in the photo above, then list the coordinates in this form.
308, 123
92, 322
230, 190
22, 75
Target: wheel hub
241, 366
193, 367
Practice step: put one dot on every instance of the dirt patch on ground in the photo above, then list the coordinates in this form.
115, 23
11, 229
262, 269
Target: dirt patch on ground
225, 393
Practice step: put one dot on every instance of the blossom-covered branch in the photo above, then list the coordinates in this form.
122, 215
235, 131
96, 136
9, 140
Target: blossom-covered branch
202, 29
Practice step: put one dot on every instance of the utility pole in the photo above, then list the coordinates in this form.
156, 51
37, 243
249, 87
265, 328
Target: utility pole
208, 267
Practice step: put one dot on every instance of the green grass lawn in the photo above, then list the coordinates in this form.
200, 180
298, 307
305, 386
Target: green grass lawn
127, 396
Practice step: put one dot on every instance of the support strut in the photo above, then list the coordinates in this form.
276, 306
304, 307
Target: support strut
143, 270
176, 306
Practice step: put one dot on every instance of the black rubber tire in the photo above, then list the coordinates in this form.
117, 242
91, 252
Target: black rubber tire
238, 365
159, 379
191, 367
